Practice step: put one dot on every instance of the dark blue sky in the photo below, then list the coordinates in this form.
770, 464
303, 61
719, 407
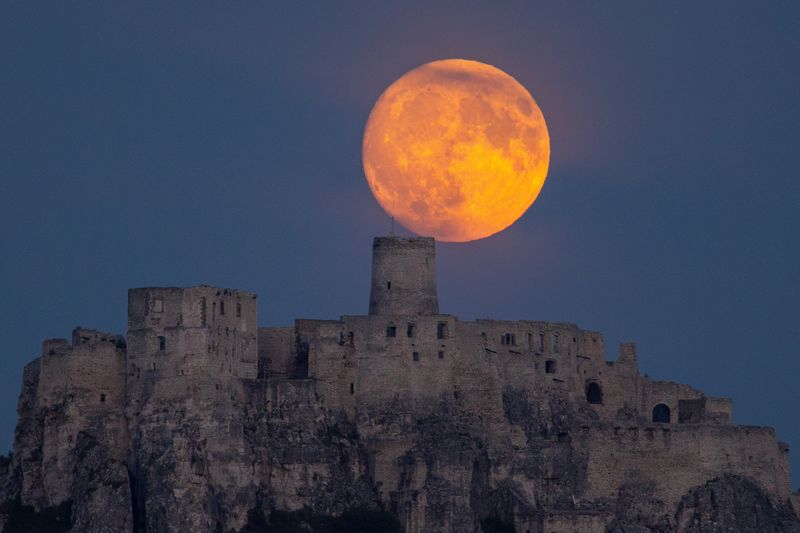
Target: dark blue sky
220, 144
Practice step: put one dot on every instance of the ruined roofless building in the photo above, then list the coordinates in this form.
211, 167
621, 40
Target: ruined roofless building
405, 418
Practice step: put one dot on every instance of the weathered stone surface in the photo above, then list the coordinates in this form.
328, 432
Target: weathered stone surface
733, 503
200, 421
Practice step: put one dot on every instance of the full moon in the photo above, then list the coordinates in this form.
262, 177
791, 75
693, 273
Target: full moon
456, 149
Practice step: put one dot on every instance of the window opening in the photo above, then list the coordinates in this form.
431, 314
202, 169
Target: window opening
661, 414
594, 394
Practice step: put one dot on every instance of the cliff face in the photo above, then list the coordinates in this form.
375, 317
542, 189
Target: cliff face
282, 461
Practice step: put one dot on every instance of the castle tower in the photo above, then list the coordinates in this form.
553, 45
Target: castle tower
183, 341
403, 276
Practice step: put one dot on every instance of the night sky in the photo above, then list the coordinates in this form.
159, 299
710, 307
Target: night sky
220, 144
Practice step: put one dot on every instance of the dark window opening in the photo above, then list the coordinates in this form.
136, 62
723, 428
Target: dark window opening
351, 338
415, 356
540, 348
550, 367
554, 341
441, 330
222, 308
391, 331
162, 343
530, 341
352, 388
103, 397
410, 330
661, 414
388, 285
594, 393
441, 354
238, 310
509, 339
154, 366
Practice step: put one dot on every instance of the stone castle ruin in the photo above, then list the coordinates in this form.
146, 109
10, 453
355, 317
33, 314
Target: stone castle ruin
405, 418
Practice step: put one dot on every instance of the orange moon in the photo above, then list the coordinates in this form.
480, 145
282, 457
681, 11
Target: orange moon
456, 149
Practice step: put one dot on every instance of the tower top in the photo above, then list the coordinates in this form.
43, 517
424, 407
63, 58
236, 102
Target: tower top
403, 276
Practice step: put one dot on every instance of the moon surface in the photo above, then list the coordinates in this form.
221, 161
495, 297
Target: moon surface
456, 149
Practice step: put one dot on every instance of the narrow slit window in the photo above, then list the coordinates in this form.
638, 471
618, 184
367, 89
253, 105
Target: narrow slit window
162, 343
410, 331
222, 308
415, 356
238, 310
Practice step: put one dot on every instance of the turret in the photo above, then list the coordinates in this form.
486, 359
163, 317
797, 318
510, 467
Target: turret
627, 356
403, 276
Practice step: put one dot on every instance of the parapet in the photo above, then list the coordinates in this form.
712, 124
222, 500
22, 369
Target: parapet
705, 410
89, 338
403, 276
190, 307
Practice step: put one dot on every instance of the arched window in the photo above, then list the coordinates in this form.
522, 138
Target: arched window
661, 413
594, 393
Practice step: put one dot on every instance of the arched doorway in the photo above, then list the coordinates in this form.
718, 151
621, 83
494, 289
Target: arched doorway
594, 393
661, 413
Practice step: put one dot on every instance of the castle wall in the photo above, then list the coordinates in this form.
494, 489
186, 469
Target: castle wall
276, 351
680, 457
376, 358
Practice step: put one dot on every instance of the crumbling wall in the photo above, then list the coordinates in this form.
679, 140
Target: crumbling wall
72, 436
678, 457
276, 351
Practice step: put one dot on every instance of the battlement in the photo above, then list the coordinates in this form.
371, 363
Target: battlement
87, 338
190, 307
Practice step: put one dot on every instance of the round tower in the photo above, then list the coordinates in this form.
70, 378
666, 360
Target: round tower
403, 276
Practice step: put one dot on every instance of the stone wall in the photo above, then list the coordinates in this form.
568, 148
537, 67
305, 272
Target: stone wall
679, 457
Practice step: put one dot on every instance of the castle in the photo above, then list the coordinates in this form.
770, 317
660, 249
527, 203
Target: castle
198, 417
